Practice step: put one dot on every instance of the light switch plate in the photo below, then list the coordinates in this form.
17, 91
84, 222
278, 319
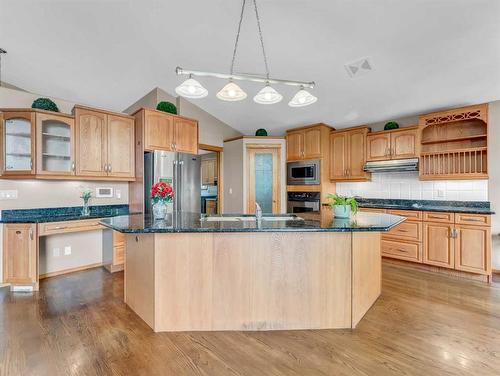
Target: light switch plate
67, 250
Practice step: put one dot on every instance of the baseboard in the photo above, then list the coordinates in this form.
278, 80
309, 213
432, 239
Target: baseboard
70, 270
114, 268
495, 271
4, 285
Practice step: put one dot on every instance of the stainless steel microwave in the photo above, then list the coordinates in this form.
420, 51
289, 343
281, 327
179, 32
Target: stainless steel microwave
303, 172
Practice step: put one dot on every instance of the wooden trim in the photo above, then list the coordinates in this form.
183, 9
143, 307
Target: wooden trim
161, 112
255, 137
62, 114
70, 270
87, 108
310, 126
63, 227
210, 147
495, 271
409, 128
114, 268
341, 130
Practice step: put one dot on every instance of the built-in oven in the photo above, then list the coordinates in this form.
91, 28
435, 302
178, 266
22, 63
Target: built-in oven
303, 172
303, 202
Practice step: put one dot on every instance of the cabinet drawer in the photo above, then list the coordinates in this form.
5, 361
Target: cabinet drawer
473, 219
439, 217
118, 255
413, 215
373, 210
68, 226
402, 250
118, 238
407, 230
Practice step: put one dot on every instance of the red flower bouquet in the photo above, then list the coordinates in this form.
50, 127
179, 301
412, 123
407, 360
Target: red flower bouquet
161, 192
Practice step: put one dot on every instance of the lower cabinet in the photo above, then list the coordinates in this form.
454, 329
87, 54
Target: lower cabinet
473, 249
116, 259
439, 244
409, 251
20, 253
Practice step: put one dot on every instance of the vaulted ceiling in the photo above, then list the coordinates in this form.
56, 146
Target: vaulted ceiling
427, 54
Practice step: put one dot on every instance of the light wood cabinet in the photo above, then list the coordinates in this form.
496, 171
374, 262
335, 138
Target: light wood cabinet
208, 171
473, 249
104, 144
395, 144
55, 145
439, 245
163, 131
347, 155
20, 253
304, 143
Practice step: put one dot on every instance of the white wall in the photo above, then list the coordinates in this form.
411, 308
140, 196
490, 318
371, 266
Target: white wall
494, 177
405, 185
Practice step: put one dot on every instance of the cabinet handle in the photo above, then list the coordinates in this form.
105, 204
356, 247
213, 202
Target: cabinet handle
105, 167
472, 219
18, 232
435, 217
109, 167
402, 250
31, 233
401, 230
31, 164
136, 238
72, 166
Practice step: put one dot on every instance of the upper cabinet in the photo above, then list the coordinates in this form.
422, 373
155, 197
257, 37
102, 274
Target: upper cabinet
306, 143
163, 131
104, 144
18, 143
454, 144
347, 154
396, 144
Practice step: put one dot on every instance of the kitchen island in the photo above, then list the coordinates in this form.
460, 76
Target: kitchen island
189, 273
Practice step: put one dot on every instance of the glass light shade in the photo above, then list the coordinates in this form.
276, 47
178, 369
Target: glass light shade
302, 98
231, 92
191, 89
268, 95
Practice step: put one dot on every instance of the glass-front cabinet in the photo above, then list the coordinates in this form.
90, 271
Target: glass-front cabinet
18, 129
55, 144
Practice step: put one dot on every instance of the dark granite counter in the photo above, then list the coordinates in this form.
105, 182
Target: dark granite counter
472, 207
191, 222
68, 213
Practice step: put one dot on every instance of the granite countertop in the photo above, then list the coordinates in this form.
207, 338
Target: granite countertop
472, 207
193, 222
68, 213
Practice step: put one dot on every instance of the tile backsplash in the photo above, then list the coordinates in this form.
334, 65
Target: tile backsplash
406, 185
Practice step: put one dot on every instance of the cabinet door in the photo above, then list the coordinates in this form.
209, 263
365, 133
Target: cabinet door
120, 146
158, 131
186, 135
205, 173
404, 144
338, 156
18, 143
294, 146
378, 147
312, 143
90, 143
439, 245
473, 249
20, 253
357, 155
55, 145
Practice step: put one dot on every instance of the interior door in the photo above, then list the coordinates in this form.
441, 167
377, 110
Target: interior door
357, 159
338, 154
439, 245
55, 145
186, 135
312, 143
378, 147
120, 146
294, 146
404, 144
264, 179
90, 143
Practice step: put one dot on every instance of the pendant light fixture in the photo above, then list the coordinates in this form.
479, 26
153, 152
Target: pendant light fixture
191, 89
231, 91
2, 51
302, 98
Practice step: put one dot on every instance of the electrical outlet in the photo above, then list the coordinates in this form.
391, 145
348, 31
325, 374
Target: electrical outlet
440, 193
230, 191
56, 252
67, 250
8, 194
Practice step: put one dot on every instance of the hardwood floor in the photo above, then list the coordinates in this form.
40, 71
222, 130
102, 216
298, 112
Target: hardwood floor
423, 324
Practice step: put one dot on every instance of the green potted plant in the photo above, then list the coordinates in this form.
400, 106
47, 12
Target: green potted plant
86, 196
45, 104
342, 206
167, 107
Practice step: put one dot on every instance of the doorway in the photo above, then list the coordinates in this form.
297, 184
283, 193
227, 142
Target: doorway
210, 179
264, 178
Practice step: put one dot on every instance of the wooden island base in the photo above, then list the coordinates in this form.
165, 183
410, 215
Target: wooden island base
252, 281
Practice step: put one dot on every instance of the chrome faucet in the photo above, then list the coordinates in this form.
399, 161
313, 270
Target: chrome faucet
258, 211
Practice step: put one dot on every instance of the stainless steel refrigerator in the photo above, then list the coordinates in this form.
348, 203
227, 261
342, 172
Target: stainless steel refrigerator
182, 171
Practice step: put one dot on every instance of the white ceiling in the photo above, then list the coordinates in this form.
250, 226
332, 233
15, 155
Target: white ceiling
428, 54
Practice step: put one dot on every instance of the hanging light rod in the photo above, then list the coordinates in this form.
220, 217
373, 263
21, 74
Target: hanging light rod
243, 77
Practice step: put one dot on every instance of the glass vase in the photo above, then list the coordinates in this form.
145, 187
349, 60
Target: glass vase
86, 208
159, 210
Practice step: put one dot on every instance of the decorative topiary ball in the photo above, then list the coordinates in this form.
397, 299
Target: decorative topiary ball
391, 125
261, 132
167, 107
45, 104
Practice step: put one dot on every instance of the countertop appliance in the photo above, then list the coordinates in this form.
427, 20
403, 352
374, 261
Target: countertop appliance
303, 172
393, 165
303, 202
182, 171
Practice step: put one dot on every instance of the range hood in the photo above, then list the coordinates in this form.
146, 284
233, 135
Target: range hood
392, 165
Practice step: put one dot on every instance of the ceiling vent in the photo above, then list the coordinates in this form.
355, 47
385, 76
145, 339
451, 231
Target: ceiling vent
359, 68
